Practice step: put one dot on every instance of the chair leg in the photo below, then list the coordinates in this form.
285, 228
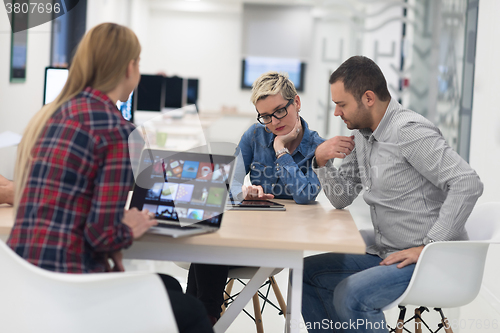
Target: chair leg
444, 321
227, 293
258, 315
401, 320
418, 321
278, 295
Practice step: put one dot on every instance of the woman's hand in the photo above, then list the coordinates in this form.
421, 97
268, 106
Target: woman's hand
281, 140
139, 221
255, 192
6, 191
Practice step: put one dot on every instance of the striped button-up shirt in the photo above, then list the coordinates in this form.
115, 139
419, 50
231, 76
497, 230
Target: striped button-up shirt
70, 212
418, 188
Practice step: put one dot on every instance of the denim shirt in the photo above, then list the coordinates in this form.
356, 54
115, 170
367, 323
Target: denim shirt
288, 177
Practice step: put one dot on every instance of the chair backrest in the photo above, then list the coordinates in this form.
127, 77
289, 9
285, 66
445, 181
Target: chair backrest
449, 274
484, 222
36, 300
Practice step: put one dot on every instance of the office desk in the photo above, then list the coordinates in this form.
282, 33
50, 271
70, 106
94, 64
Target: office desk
6, 219
263, 239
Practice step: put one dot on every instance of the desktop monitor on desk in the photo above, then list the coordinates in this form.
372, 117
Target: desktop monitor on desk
151, 93
55, 79
160, 93
180, 92
253, 67
192, 91
174, 92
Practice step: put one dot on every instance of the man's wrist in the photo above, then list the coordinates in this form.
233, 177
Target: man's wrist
320, 162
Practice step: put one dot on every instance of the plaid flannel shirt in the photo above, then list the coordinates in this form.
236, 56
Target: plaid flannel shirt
70, 213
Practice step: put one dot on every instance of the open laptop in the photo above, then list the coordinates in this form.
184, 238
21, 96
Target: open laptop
186, 191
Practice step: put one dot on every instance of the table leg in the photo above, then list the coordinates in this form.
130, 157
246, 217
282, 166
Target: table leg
294, 298
243, 298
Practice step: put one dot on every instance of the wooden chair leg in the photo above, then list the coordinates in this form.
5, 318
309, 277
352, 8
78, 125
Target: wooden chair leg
418, 321
278, 295
444, 321
446, 325
258, 315
229, 288
401, 320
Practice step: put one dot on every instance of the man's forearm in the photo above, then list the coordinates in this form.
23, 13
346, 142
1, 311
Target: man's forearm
456, 209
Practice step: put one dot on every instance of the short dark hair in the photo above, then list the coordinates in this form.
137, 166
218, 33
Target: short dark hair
359, 74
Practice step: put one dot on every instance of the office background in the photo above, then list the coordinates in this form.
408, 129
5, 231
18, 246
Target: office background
208, 40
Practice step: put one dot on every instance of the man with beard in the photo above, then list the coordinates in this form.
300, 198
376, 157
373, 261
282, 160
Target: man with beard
419, 191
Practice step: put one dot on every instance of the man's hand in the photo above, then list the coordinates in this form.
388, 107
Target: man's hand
138, 221
336, 147
6, 191
281, 140
255, 192
405, 257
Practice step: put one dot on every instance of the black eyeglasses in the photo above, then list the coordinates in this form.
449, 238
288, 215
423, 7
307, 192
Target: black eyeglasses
278, 114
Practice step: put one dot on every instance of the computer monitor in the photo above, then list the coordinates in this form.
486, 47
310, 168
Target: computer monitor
174, 92
192, 91
55, 79
253, 67
151, 93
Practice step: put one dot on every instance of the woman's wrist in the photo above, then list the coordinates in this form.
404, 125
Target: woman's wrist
282, 152
278, 146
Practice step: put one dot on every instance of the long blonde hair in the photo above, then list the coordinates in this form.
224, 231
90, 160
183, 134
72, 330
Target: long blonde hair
100, 62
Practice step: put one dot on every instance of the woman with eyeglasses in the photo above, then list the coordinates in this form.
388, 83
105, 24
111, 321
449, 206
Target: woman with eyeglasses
278, 153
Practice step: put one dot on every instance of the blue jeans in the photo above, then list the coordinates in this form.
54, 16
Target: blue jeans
345, 292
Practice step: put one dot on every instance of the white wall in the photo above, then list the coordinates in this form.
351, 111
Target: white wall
99, 11
206, 45
19, 101
277, 31
339, 34
192, 39
485, 134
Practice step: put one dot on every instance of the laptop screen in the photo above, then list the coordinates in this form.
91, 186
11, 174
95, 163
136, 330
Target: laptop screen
184, 187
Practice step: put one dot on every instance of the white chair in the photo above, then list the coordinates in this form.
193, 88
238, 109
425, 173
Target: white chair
449, 274
36, 300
